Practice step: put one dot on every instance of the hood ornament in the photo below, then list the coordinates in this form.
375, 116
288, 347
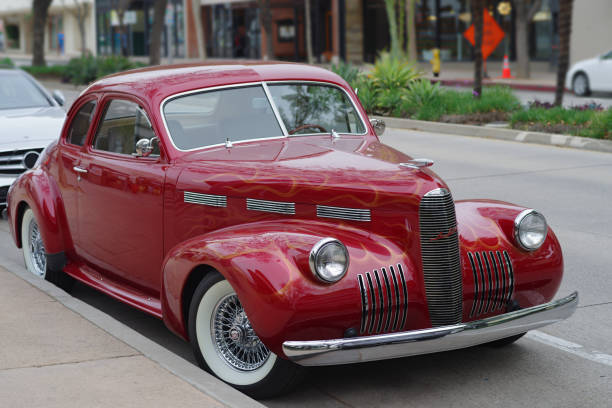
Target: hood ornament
228, 143
334, 135
417, 163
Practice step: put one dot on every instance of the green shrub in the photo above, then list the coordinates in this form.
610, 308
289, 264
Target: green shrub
347, 71
51, 70
600, 126
366, 93
83, 70
421, 93
553, 116
390, 72
6, 62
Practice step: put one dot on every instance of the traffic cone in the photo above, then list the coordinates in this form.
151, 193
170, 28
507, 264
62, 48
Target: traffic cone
506, 74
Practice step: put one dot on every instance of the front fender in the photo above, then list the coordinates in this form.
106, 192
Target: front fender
490, 256
267, 265
39, 192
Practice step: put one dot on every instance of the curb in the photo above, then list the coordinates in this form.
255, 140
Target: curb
547, 139
183, 369
520, 85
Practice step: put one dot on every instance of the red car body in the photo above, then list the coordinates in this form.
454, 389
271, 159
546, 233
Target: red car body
126, 229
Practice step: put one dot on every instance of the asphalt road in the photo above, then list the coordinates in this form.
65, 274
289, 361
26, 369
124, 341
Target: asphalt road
565, 365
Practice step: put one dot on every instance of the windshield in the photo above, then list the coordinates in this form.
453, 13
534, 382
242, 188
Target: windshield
17, 91
314, 108
212, 117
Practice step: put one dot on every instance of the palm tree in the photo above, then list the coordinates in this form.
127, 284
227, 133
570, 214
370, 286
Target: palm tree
565, 31
478, 9
308, 23
525, 11
40, 11
266, 22
159, 12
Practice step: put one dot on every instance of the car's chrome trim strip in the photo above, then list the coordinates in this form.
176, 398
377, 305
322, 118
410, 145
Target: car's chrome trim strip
278, 207
205, 199
373, 297
425, 341
364, 304
264, 85
389, 298
351, 214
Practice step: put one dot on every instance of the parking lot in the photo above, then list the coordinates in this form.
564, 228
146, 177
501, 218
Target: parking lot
565, 365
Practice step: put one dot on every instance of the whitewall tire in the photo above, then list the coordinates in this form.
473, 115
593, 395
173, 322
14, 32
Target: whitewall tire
225, 344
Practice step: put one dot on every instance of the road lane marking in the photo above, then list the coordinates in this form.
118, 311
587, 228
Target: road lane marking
569, 347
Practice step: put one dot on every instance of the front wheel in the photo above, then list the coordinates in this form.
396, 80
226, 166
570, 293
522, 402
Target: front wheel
580, 85
225, 344
35, 256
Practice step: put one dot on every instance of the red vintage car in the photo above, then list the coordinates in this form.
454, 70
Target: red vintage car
253, 208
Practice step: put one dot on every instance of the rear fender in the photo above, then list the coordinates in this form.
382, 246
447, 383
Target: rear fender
267, 265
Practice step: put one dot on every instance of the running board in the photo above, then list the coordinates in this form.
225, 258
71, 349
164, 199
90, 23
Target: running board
132, 297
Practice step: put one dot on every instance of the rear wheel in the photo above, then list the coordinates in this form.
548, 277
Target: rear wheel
35, 256
225, 344
580, 85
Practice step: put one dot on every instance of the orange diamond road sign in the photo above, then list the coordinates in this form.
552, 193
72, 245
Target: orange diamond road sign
492, 34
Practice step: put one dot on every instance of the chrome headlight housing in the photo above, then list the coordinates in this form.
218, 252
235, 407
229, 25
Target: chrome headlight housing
530, 230
329, 260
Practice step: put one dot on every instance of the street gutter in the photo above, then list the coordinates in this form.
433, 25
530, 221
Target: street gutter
548, 139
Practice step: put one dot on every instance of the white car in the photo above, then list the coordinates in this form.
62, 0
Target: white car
30, 119
594, 74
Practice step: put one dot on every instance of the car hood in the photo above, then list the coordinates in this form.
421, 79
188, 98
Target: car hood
356, 172
30, 128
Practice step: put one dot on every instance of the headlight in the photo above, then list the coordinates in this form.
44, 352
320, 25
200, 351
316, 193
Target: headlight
530, 229
329, 260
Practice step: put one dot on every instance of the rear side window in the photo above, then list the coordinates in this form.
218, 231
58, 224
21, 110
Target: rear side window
124, 123
77, 134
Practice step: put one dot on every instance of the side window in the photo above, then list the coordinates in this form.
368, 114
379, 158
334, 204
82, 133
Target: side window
80, 124
124, 123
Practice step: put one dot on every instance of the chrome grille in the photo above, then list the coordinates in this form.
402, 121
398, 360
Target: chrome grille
205, 199
441, 258
493, 281
384, 299
352, 214
279, 207
12, 162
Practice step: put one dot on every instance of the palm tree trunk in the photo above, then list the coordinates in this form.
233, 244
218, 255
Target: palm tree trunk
266, 22
40, 11
411, 28
477, 12
159, 12
308, 23
565, 31
392, 18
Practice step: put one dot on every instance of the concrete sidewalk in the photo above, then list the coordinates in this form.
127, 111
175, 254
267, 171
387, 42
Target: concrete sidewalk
52, 357
543, 78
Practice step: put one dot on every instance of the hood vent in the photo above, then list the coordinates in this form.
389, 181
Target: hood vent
278, 207
205, 199
352, 214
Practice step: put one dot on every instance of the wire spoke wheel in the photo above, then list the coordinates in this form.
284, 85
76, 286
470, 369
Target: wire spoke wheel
37, 250
234, 338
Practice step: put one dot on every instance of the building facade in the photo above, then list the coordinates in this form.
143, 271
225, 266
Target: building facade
62, 34
129, 29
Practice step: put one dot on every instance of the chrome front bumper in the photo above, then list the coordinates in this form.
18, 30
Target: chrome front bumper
425, 341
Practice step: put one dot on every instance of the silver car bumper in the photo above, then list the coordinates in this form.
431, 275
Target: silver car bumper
425, 341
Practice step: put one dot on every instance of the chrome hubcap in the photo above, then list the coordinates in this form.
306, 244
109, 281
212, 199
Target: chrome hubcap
234, 338
37, 250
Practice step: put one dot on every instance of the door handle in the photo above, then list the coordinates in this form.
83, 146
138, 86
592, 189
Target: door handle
79, 170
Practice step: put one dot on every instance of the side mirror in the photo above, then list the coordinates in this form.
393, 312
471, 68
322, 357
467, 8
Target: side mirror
379, 126
144, 147
59, 97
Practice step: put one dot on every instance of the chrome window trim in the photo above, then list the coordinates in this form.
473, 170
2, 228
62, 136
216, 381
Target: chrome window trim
264, 85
